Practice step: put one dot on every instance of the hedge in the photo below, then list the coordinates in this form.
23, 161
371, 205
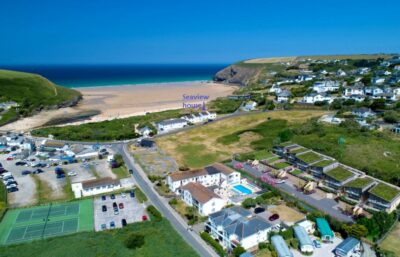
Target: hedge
155, 214
217, 247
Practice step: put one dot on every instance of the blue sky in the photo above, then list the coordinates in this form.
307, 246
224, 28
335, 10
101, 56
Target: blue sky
150, 31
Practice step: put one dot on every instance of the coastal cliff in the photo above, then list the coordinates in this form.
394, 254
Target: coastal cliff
237, 74
25, 94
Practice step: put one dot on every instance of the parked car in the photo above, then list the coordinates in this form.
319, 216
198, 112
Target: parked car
123, 221
103, 197
112, 196
130, 171
20, 163
317, 244
112, 224
103, 226
9, 158
144, 218
116, 212
11, 186
123, 195
121, 205
259, 210
10, 182
26, 172
12, 189
273, 217
72, 173
37, 171
115, 205
132, 193
61, 175
104, 208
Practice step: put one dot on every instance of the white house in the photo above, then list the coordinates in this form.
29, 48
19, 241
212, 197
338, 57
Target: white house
193, 118
372, 91
396, 92
236, 226
326, 86
378, 81
308, 226
171, 124
202, 198
317, 97
145, 131
215, 174
354, 90
363, 112
341, 73
249, 106
208, 115
283, 96
275, 89
95, 187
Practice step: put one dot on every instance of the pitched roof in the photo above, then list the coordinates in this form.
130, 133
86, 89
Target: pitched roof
172, 121
219, 168
100, 182
280, 246
347, 245
323, 227
187, 174
199, 192
302, 235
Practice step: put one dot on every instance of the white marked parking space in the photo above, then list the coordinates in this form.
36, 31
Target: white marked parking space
131, 211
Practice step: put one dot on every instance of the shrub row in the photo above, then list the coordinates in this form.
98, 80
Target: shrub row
217, 247
155, 214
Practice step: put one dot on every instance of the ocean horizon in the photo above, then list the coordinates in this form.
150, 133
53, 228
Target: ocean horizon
79, 76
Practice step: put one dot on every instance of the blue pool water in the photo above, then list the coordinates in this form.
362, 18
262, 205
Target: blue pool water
243, 190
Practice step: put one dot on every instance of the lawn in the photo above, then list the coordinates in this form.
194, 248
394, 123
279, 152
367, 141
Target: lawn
3, 199
339, 173
281, 165
296, 172
219, 140
391, 242
160, 240
359, 182
385, 192
121, 172
309, 157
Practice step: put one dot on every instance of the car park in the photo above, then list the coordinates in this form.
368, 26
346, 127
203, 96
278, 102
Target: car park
104, 208
121, 205
273, 217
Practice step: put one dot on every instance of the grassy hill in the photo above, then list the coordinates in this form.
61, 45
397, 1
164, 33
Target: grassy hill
33, 93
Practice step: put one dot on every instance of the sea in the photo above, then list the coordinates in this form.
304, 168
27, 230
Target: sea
75, 76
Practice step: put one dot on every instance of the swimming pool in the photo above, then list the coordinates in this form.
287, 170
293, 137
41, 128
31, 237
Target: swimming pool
242, 189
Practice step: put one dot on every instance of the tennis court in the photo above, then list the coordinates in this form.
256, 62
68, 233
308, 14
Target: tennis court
21, 225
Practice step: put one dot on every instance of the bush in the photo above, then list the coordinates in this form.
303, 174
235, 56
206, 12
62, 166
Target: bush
134, 240
217, 247
238, 251
262, 246
140, 195
249, 203
173, 201
294, 243
155, 214
154, 178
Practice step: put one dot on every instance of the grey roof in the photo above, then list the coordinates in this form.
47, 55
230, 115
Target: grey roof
172, 121
302, 235
280, 246
236, 221
284, 93
361, 110
347, 245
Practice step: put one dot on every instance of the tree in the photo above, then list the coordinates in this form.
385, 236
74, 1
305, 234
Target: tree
134, 240
391, 117
378, 104
249, 203
355, 230
238, 251
286, 135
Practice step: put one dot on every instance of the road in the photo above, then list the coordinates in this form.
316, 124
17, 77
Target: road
192, 238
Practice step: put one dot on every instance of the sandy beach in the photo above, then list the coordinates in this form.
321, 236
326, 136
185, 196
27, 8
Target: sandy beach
128, 100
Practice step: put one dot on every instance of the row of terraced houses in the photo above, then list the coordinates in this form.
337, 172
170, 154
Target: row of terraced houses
353, 183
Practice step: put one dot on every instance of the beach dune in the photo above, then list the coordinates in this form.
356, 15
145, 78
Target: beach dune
129, 100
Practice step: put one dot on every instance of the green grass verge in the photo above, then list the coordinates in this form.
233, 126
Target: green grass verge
160, 240
140, 195
121, 172
3, 200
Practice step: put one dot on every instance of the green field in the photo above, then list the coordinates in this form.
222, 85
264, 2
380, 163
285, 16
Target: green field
160, 240
31, 92
117, 129
391, 241
22, 225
